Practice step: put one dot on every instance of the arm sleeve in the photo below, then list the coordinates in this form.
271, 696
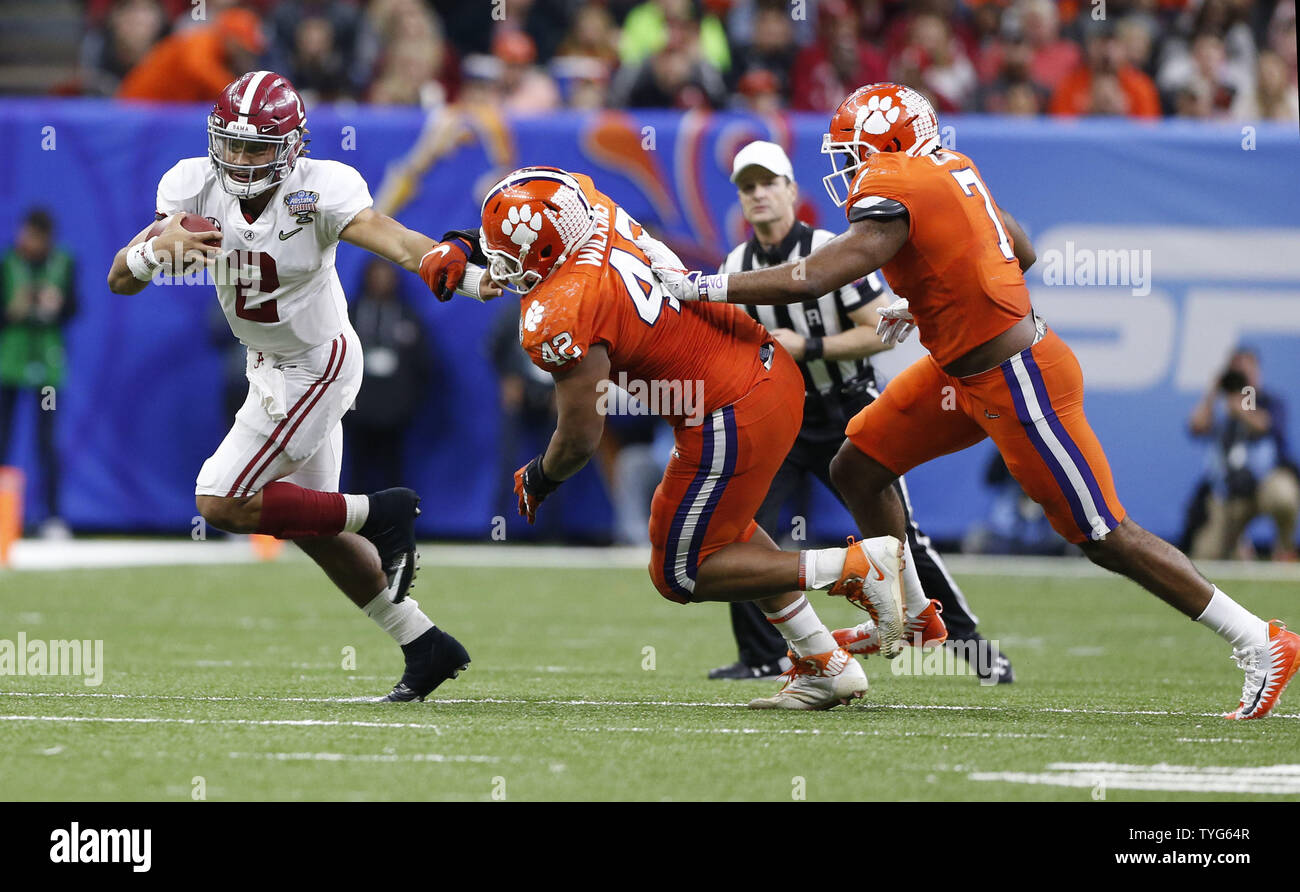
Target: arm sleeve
347, 196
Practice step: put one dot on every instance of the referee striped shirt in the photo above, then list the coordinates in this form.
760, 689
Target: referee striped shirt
824, 380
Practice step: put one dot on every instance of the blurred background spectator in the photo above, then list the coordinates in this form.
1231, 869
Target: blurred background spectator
413, 62
124, 38
37, 298
524, 88
666, 63
193, 65
1229, 59
836, 63
393, 386
1106, 83
1249, 468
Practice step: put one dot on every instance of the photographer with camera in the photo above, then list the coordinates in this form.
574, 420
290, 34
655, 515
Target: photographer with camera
1250, 472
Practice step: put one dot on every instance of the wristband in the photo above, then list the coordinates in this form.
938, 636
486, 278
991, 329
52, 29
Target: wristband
470, 281
142, 261
540, 485
813, 348
713, 288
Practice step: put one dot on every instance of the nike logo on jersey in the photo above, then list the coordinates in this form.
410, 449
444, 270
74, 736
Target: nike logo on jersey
287, 235
988, 414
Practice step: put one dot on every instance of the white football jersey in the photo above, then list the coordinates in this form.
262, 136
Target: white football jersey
281, 294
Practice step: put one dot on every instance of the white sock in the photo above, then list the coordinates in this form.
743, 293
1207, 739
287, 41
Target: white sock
405, 621
822, 567
358, 512
1237, 625
799, 625
913, 595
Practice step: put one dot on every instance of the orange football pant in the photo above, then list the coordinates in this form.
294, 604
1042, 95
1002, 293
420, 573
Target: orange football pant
1032, 407
719, 475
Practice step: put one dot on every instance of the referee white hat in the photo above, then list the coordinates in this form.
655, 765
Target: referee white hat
767, 155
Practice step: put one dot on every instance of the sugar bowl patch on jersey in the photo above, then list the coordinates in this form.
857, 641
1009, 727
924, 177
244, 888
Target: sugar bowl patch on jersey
302, 204
277, 284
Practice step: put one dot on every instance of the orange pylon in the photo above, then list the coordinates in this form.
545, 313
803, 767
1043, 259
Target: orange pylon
12, 483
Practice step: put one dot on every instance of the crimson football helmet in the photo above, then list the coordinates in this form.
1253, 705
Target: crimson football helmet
533, 220
256, 131
876, 118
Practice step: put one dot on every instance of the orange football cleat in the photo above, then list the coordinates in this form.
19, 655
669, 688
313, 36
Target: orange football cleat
924, 630
1269, 668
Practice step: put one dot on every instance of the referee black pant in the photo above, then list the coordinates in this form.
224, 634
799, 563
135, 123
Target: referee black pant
759, 641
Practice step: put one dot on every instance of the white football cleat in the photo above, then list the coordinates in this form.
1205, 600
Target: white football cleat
1269, 669
818, 681
871, 580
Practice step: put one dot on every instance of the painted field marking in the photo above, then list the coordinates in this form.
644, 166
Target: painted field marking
1277, 780
364, 757
921, 707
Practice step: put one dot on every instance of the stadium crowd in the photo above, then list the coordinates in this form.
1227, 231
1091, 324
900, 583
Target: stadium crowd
1224, 59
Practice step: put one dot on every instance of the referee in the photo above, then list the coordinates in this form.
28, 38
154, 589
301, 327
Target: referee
831, 338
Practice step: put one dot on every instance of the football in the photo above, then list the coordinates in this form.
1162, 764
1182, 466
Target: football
192, 222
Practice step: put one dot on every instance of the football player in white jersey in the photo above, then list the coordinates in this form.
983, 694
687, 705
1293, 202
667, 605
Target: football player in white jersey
279, 218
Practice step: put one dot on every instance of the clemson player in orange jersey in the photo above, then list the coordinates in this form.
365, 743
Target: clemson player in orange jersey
924, 217
592, 310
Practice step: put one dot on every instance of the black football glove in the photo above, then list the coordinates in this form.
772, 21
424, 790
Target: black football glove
532, 486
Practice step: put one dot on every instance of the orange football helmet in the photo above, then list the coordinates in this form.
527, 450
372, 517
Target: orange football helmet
533, 220
876, 118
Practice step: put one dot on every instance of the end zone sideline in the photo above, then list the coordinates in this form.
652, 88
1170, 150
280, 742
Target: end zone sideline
78, 554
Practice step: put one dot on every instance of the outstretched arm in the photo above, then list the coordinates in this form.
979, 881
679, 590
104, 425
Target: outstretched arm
382, 235
864, 248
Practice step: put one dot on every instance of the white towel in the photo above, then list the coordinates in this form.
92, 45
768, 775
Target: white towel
268, 381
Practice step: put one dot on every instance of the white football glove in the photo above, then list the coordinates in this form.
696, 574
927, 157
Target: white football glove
896, 323
673, 276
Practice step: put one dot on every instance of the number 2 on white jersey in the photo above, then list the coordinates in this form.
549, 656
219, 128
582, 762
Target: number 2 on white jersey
967, 178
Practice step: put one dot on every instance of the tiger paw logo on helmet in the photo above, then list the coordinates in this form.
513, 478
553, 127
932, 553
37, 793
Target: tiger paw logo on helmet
534, 219
522, 225
878, 114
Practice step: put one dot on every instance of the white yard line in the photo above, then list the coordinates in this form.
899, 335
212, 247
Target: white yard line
921, 707
159, 720
364, 757
36, 554
1261, 779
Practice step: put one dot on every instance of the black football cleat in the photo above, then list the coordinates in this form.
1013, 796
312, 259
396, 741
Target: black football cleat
431, 659
391, 527
741, 671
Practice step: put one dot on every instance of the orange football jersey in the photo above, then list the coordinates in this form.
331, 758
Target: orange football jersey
605, 294
958, 270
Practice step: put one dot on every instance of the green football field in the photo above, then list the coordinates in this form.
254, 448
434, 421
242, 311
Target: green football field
243, 682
